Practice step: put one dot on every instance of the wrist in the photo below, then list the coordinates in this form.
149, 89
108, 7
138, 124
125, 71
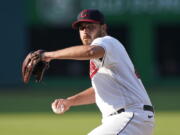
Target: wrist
70, 101
46, 56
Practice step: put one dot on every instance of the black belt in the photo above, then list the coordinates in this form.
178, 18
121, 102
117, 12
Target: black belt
145, 108
118, 111
148, 108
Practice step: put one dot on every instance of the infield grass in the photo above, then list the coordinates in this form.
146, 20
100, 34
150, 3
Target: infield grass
167, 123
28, 112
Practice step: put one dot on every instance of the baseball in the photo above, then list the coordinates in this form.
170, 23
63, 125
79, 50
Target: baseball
58, 110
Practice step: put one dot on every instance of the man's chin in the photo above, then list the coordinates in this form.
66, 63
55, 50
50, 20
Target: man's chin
86, 42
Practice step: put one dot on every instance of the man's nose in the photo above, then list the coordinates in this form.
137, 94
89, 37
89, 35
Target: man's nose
85, 29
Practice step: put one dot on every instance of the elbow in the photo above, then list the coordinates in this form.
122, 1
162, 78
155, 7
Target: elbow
95, 52
91, 52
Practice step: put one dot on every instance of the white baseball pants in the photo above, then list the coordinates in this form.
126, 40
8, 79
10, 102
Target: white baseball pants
136, 122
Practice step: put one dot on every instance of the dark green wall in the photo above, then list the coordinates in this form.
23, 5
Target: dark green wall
12, 41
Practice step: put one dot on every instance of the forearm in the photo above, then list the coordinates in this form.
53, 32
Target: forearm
60, 106
82, 52
82, 98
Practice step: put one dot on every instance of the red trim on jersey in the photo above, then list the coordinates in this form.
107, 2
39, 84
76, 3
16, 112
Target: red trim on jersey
93, 69
92, 74
137, 74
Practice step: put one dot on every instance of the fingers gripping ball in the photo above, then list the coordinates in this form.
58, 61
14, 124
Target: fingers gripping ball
34, 66
57, 107
58, 110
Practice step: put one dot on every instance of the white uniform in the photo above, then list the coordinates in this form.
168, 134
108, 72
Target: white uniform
117, 86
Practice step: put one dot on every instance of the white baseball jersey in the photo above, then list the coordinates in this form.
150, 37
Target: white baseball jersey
114, 79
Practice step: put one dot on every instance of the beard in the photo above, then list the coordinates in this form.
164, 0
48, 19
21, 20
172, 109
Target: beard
87, 39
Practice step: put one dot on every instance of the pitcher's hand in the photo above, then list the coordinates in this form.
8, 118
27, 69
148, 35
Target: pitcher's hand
59, 106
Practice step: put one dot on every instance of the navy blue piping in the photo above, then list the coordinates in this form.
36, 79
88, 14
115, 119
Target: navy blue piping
126, 125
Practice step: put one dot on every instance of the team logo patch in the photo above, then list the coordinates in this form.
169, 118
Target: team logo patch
93, 69
84, 13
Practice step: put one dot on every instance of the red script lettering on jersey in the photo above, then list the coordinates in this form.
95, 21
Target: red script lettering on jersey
93, 69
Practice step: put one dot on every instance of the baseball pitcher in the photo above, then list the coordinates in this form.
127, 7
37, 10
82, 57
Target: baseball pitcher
116, 89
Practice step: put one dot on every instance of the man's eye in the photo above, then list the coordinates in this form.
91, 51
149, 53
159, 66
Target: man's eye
90, 27
81, 27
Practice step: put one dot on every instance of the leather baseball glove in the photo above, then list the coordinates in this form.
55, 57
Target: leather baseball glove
34, 66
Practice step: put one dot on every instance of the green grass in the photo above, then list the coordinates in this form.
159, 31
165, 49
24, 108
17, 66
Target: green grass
167, 123
47, 124
27, 111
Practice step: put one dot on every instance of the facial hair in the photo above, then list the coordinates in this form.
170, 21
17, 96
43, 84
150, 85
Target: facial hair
90, 39
87, 40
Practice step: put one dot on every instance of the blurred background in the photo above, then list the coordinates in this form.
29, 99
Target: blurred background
149, 30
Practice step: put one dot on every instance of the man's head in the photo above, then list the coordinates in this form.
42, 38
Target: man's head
91, 24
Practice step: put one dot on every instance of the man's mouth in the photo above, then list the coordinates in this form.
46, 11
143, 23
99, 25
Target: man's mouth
86, 37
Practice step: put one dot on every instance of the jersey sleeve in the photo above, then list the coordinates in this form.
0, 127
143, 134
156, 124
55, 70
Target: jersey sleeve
109, 58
